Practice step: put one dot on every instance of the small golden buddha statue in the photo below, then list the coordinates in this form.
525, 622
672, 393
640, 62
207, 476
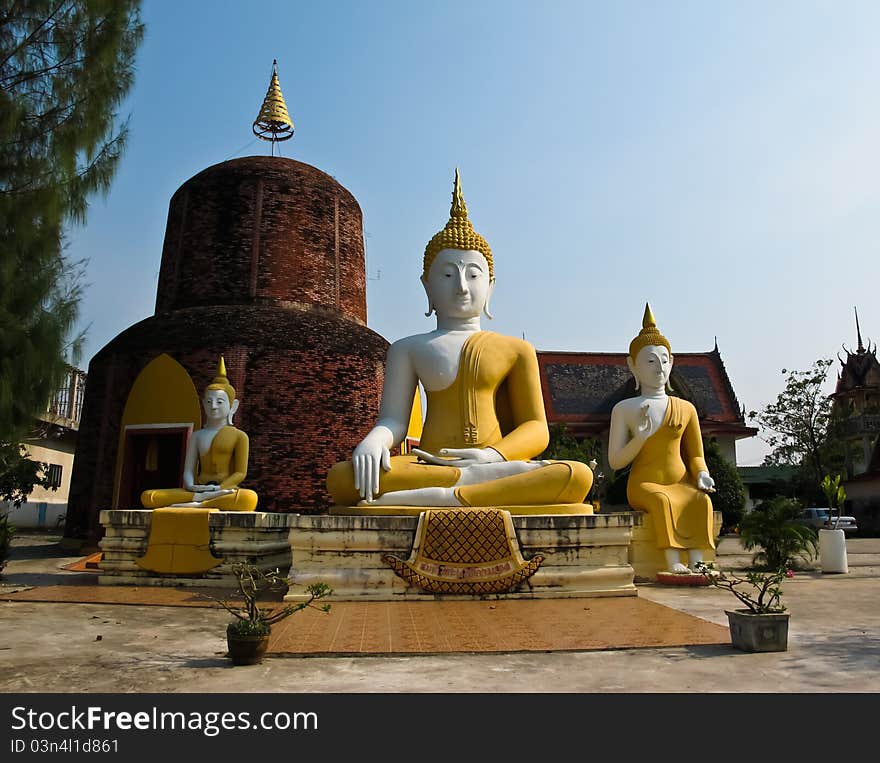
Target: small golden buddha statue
216, 458
660, 436
485, 415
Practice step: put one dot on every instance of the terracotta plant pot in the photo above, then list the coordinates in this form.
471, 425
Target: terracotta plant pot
758, 633
246, 650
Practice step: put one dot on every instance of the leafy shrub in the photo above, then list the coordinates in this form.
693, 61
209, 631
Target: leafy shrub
730, 496
774, 528
248, 629
6, 533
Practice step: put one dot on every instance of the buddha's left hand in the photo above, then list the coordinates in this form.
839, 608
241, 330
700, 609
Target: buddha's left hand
705, 482
460, 457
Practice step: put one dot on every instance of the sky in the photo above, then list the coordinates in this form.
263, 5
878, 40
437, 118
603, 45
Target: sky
718, 160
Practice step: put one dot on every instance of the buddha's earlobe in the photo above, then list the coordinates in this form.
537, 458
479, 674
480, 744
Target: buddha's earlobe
232, 409
489, 297
431, 308
632, 369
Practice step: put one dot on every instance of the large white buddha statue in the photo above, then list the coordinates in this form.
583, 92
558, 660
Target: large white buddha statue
660, 436
485, 415
216, 458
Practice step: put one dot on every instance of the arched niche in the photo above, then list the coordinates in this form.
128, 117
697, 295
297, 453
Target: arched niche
161, 412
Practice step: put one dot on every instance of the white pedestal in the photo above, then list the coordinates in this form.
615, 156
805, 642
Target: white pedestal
832, 551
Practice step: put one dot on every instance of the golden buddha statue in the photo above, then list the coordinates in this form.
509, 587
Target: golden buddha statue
660, 436
216, 458
485, 412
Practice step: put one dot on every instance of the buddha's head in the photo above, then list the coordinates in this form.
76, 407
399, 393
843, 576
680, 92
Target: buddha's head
458, 273
650, 355
219, 401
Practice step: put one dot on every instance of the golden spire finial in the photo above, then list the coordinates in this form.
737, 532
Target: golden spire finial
649, 335
273, 122
458, 233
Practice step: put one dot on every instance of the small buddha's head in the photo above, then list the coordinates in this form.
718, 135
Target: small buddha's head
219, 401
650, 355
458, 273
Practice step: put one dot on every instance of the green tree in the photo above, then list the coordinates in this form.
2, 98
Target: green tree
18, 473
800, 428
564, 446
65, 66
730, 495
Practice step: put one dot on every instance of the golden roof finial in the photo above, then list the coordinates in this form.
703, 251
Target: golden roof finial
649, 335
458, 233
273, 122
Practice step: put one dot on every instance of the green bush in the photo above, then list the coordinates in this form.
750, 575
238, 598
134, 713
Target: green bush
774, 528
6, 533
730, 496
248, 629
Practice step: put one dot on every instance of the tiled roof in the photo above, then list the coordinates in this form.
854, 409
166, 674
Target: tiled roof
581, 388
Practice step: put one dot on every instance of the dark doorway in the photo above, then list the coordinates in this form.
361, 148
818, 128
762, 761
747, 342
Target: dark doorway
153, 458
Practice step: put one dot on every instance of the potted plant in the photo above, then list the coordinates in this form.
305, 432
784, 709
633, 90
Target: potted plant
779, 539
247, 636
832, 540
762, 626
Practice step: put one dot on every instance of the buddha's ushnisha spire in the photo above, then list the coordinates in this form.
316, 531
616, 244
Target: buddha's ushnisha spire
649, 335
458, 233
221, 380
273, 123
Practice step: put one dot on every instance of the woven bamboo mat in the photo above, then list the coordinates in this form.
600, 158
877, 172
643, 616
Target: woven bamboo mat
524, 625
430, 627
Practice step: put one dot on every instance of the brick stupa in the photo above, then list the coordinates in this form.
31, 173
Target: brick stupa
263, 263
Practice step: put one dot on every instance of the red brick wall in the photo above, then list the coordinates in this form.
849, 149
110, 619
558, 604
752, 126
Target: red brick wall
309, 383
263, 230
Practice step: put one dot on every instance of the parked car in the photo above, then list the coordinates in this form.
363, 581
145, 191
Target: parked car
821, 519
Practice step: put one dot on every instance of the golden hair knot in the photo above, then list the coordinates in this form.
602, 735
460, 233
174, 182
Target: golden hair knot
458, 233
221, 381
649, 335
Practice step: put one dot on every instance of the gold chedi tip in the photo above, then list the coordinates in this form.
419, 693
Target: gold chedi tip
458, 233
273, 122
649, 335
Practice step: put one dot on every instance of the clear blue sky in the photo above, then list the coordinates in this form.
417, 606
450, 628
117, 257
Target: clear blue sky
720, 160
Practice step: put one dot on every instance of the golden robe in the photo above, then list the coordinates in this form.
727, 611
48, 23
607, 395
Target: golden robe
495, 401
664, 476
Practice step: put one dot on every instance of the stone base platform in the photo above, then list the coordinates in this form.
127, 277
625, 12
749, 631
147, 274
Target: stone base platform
374, 510
236, 536
585, 556
646, 559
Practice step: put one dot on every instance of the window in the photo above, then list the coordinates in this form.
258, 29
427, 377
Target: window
53, 476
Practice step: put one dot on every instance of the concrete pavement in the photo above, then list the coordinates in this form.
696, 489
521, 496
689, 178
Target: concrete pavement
834, 645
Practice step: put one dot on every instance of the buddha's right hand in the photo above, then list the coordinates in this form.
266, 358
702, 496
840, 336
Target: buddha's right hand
460, 457
644, 425
371, 455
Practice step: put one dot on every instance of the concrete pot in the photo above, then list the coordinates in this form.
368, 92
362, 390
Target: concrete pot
832, 551
246, 650
758, 633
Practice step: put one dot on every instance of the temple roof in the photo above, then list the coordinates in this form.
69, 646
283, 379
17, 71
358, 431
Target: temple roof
581, 388
860, 369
